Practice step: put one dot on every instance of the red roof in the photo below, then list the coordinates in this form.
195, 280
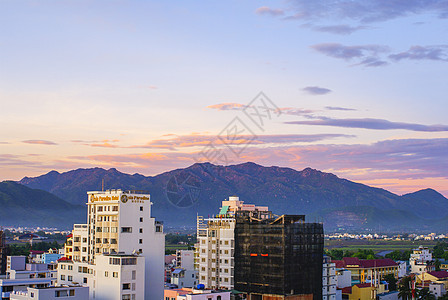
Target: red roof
364, 263
439, 274
36, 252
64, 259
347, 290
70, 235
364, 285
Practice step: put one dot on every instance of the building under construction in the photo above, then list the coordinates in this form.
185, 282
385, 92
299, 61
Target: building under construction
278, 257
3, 252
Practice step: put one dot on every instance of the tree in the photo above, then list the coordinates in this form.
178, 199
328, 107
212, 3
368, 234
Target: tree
437, 264
390, 278
425, 294
404, 288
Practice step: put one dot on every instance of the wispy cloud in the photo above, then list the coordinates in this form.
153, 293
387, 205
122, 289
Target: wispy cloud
195, 140
227, 106
368, 55
439, 53
39, 142
368, 123
363, 11
315, 90
342, 29
264, 10
339, 108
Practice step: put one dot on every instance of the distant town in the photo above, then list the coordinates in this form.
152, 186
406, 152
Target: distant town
240, 251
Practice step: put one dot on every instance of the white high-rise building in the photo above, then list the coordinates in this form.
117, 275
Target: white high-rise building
328, 279
119, 229
214, 257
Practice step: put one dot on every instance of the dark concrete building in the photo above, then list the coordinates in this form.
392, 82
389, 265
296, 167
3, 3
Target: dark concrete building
278, 257
3, 253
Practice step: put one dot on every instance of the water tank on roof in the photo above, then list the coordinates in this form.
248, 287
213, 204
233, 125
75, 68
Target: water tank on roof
200, 286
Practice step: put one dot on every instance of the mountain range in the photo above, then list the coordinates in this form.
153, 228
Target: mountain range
182, 194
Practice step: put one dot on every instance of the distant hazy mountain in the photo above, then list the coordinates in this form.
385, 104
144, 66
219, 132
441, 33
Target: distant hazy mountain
23, 206
322, 196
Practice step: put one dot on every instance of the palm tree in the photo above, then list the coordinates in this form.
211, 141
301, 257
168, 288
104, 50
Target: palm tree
404, 288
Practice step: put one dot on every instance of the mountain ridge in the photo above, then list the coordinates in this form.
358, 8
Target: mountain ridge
284, 190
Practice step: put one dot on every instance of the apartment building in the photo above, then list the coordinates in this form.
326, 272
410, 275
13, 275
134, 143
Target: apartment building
328, 279
216, 244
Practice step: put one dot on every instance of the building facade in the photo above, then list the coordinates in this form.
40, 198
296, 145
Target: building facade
365, 270
52, 293
279, 256
421, 260
328, 279
3, 253
119, 224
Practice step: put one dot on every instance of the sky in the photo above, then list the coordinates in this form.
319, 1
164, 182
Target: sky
355, 88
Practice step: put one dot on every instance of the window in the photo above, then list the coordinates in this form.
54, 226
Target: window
141, 208
62, 267
141, 219
98, 240
126, 286
100, 208
71, 292
115, 274
134, 274
84, 280
140, 241
126, 229
140, 250
115, 208
105, 241
106, 274
113, 241
113, 229
126, 297
140, 230
114, 261
84, 240
129, 261
84, 249
158, 228
62, 277
70, 278
62, 293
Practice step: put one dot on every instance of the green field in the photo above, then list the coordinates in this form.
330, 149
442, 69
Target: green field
376, 245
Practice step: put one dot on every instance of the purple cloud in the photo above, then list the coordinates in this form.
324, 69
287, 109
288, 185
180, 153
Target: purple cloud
339, 29
368, 54
39, 142
423, 52
368, 123
366, 11
315, 90
339, 108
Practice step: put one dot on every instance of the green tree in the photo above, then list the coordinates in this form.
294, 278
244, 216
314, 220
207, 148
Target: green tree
404, 288
425, 294
390, 278
437, 264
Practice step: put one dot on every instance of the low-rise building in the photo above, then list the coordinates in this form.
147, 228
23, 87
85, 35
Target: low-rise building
21, 275
421, 261
196, 294
433, 277
52, 293
364, 291
113, 276
364, 270
184, 278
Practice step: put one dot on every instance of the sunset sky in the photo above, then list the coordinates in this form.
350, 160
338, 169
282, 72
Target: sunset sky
356, 88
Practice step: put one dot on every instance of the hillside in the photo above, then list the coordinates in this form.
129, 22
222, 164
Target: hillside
322, 196
23, 206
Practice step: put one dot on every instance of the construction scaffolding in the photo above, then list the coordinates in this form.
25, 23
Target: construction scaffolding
3, 252
278, 256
